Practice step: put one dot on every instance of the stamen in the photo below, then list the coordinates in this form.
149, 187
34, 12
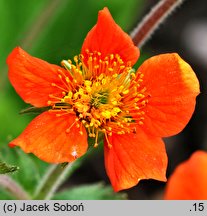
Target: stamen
61, 114
55, 85
66, 64
96, 141
75, 122
81, 129
103, 92
107, 140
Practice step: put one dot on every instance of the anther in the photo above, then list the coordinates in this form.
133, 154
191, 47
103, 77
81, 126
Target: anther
107, 140
115, 75
126, 91
66, 64
90, 135
140, 123
81, 132
67, 79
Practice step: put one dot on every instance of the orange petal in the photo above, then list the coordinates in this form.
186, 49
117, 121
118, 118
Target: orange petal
188, 182
173, 87
47, 138
108, 38
133, 157
32, 78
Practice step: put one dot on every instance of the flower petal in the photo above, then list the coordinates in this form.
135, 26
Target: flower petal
188, 182
47, 138
173, 87
32, 78
108, 38
133, 157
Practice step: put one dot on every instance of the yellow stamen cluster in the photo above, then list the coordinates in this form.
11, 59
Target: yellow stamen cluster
104, 93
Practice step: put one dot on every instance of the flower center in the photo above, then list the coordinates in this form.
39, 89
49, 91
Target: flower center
105, 94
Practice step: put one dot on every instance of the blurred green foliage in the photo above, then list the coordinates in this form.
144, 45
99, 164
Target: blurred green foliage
90, 192
52, 30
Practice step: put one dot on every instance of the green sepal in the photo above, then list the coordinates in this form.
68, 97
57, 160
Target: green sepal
63, 165
35, 110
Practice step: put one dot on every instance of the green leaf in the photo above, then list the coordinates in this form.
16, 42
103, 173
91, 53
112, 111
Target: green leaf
31, 168
96, 191
5, 168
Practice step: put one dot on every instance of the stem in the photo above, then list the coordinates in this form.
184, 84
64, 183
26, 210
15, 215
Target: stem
13, 187
53, 179
152, 21
43, 20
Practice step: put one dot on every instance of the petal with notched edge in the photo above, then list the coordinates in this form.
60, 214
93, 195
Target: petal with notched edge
133, 157
107, 37
47, 138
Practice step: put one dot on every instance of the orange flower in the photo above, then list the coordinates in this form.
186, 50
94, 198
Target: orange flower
102, 94
188, 182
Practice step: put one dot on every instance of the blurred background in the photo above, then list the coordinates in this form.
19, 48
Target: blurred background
54, 30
